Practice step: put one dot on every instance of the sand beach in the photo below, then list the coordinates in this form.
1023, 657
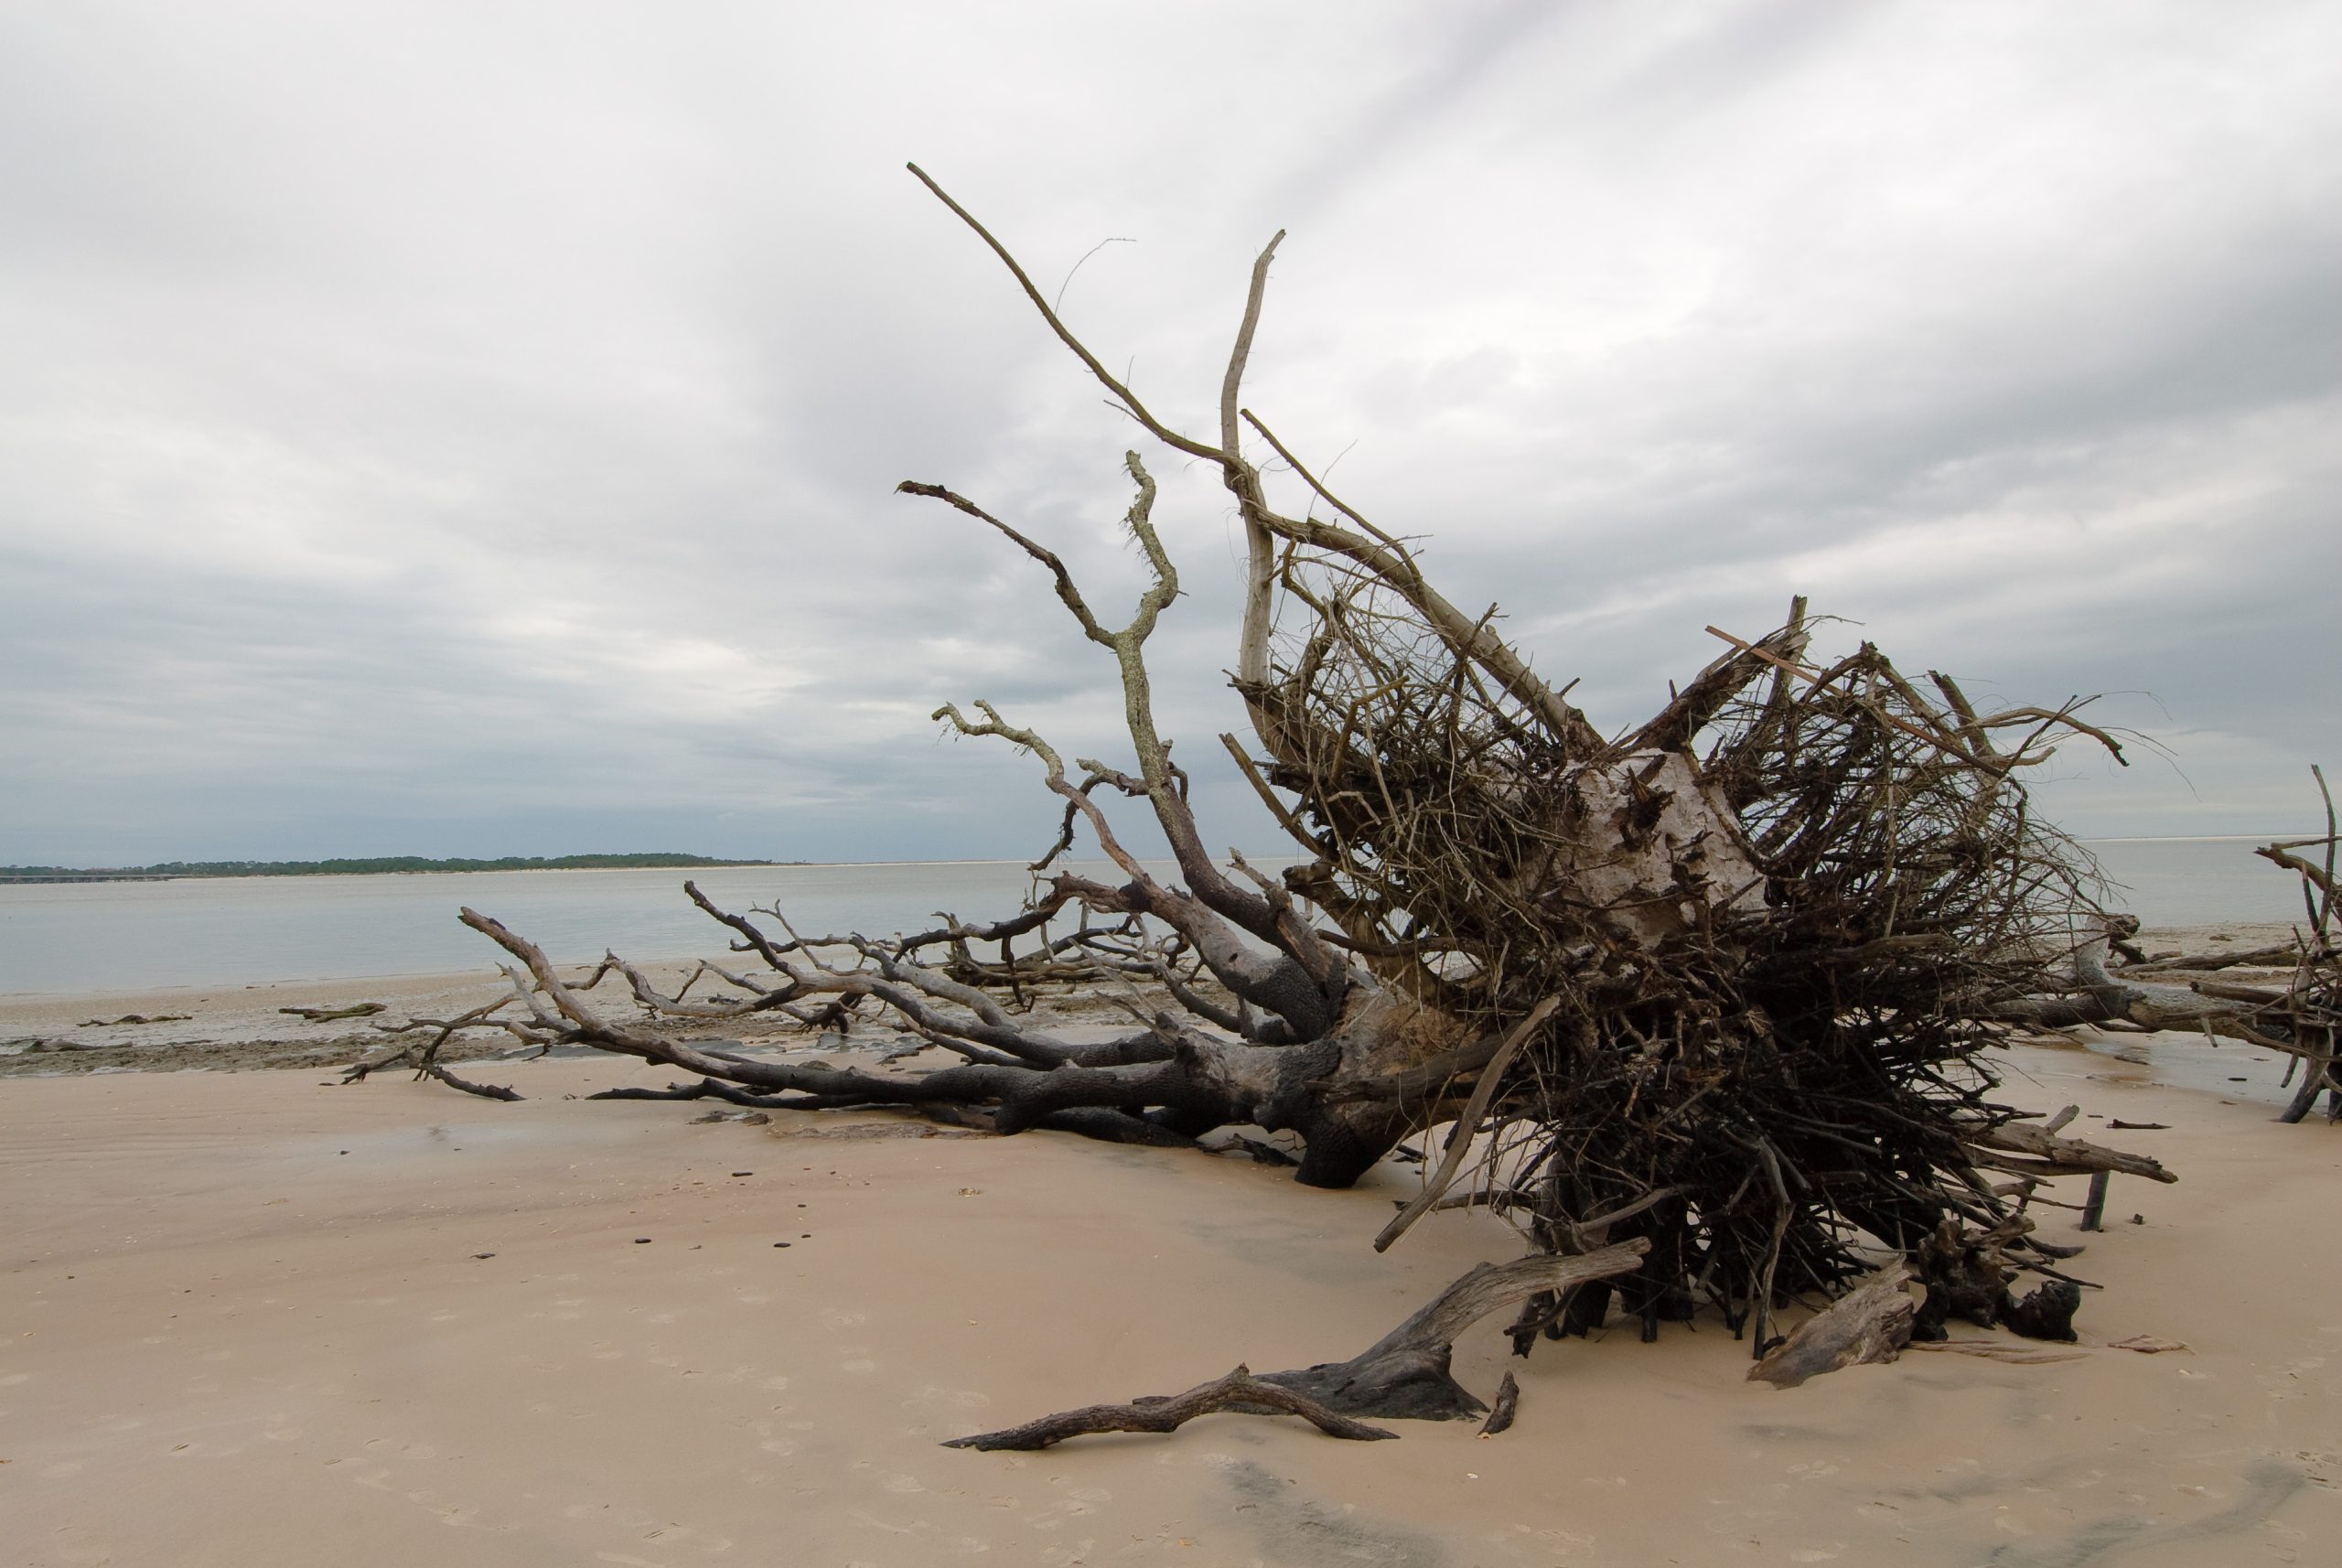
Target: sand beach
256, 1316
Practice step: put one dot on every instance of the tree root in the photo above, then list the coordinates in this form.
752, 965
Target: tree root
485, 1090
1238, 1390
1508, 1405
1402, 1376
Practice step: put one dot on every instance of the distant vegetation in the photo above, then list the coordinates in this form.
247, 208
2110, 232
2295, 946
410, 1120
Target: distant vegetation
375, 867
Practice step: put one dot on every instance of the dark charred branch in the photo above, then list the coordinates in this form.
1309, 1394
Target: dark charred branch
1506, 1406
485, 1090
1402, 1376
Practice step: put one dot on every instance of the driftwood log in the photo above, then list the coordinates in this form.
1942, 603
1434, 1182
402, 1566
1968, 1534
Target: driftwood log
1403, 1375
1721, 987
1238, 1390
1870, 1323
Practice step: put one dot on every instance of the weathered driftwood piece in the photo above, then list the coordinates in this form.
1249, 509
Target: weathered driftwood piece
1997, 1350
2094, 1206
485, 1090
328, 1014
2048, 1154
1238, 1390
422, 1056
1502, 1410
1402, 1376
2147, 1344
1870, 1323
2280, 957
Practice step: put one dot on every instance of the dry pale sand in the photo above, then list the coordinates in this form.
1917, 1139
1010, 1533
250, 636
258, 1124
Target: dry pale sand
242, 1321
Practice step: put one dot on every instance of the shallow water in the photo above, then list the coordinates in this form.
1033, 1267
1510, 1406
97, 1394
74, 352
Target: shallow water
68, 937
2228, 1069
64, 938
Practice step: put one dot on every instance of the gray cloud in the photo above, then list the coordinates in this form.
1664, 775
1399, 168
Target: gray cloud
448, 430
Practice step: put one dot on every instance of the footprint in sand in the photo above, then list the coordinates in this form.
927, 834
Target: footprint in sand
460, 1515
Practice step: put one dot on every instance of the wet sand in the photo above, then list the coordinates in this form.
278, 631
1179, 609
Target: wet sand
229, 1341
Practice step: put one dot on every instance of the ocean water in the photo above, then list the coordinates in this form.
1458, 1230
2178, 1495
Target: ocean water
2196, 881
62, 938
66, 937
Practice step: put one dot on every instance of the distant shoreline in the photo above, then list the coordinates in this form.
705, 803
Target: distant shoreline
377, 865
418, 865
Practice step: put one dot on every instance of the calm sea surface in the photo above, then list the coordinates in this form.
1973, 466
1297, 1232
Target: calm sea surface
101, 936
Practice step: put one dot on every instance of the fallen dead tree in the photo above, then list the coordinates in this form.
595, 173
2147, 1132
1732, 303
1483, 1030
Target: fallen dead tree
1717, 989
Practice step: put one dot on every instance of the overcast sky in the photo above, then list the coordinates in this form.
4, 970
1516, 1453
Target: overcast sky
471, 429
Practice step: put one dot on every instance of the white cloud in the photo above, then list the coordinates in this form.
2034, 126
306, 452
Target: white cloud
451, 429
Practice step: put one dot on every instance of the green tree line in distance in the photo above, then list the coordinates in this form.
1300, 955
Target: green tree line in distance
377, 865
